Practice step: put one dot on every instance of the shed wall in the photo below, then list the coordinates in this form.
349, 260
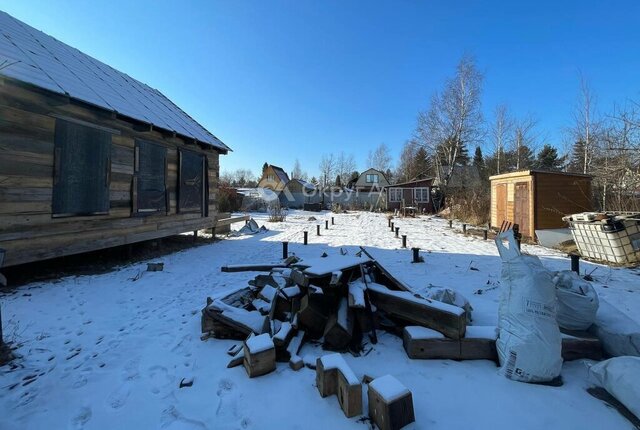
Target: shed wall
560, 195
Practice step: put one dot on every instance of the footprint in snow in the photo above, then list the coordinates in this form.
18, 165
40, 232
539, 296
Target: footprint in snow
81, 418
118, 398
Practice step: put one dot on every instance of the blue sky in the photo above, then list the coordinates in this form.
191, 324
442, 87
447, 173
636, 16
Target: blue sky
280, 80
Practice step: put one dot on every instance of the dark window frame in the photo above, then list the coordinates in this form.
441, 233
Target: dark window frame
138, 196
68, 162
203, 209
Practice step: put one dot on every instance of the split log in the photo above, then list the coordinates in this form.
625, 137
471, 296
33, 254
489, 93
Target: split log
447, 319
281, 341
236, 361
299, 278
390, 403
334, 376
296, 362
313, 314
259, 355
339, 329
237, 319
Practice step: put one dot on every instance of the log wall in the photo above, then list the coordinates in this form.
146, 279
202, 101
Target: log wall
28, 232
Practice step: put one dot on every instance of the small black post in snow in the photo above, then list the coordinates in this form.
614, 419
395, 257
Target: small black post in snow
389, 223
306, 237
575, 263
318, 228
392, 227
416, 255
404, 240
450, 223
464, 228
333, 222
326, 224
397, 231
285, 250
485, 233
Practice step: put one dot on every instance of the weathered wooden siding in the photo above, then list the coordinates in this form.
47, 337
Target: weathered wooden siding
560, 195
27, 230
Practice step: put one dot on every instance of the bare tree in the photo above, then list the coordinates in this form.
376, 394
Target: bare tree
380, 159
327, 169
586, 126
500, 132
524, 141
454, 118
406, 165
297, 172
345, 166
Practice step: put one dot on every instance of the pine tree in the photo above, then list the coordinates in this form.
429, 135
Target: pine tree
548, 159
264, 167
314, 181
338, 181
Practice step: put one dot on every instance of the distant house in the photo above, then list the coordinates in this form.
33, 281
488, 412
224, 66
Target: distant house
463, 177
91, 158
297, 192
273, 178
416, 194
371, 179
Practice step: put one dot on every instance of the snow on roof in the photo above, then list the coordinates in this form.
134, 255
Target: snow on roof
33, 57
304, 183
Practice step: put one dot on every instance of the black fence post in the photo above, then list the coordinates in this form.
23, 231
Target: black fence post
404, 240
389, 223
575, 263
464, 228
333, 222
306, 237
450, 223
397, 231
485, 233
392, 227
416, 255
318, 229
326, 224
285, 250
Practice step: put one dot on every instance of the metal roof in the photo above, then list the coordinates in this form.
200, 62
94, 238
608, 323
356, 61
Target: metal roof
31, 56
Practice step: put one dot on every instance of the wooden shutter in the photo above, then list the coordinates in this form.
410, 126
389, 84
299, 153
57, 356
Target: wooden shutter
82, 170
191, 182
150, 172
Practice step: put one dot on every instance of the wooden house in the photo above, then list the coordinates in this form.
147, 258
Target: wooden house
91, 158
537, 200
371, 180
273, 178
414, 194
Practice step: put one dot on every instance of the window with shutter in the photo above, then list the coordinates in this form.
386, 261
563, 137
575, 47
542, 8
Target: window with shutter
150, 177
191, 177
82, 170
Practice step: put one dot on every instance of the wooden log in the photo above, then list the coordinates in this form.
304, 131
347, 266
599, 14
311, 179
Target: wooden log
390, 403
259, 355
334, 376
299, 278
237, 360
339, 329
240, 320
356, 294
479, 343
576, 348
296, 362
281, 341
313, 314
447, 319
264, 267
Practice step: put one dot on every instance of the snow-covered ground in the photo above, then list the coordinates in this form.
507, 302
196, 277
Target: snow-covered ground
109, 351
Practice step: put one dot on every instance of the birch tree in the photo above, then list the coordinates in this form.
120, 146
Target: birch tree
454, 118
500, 132
586, 126
380, 158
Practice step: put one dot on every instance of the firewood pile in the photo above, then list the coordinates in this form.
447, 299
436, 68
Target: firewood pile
339, 300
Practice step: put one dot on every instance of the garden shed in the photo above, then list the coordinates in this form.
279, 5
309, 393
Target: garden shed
91, 158
537, 200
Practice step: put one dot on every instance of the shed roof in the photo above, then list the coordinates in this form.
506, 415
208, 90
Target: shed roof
31, 56
534, 171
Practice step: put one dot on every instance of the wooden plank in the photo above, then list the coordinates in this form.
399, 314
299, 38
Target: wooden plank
259, 267
446, 319
575, 348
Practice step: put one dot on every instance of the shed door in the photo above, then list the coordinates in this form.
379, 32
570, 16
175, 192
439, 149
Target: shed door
501, 202
521, 200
